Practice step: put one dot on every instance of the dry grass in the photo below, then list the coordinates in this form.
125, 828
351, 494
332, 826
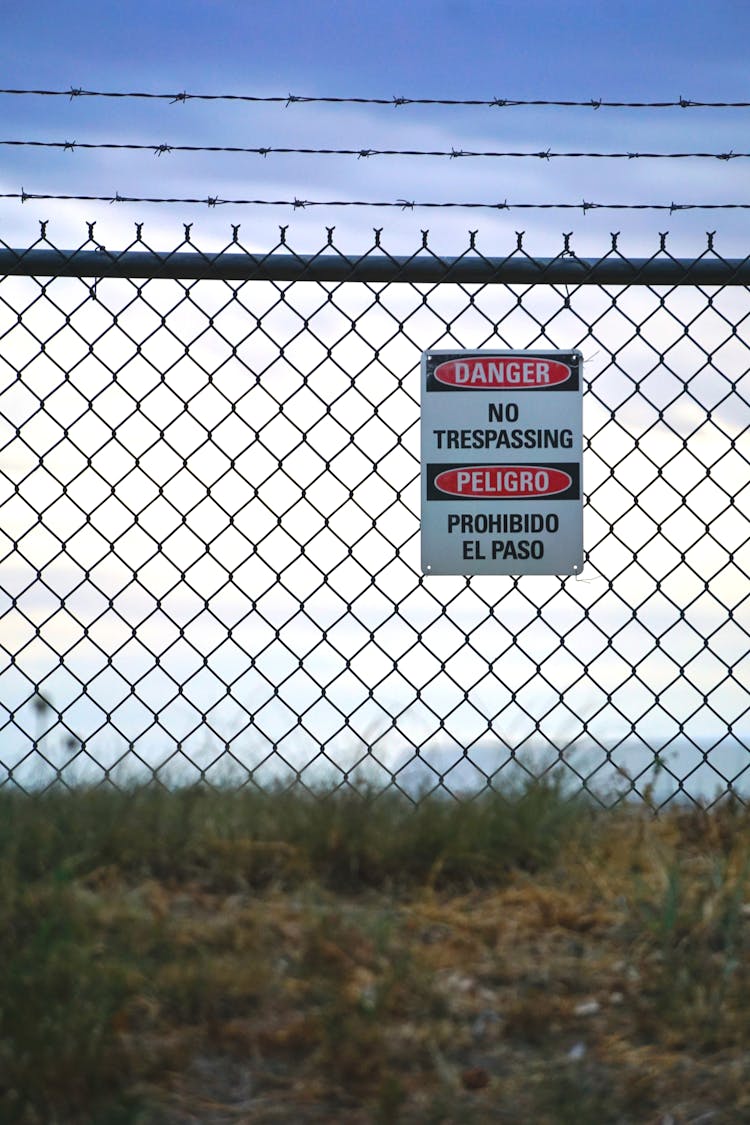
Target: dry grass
228, 958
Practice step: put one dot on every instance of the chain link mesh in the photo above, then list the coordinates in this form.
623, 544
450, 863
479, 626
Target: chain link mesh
209, 541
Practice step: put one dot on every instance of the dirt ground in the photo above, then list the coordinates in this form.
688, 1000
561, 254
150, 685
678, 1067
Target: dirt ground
234, 980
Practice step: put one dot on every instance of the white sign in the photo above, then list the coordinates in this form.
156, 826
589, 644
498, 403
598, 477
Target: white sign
501, 462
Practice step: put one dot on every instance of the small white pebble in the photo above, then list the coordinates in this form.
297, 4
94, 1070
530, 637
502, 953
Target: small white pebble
616, 998
587, 1008
577, 1051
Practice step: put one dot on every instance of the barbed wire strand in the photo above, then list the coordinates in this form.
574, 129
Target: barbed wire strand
75, 92
402, 204
362, 152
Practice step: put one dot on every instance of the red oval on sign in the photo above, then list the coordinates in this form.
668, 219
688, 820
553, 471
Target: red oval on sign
503, 481
502, 373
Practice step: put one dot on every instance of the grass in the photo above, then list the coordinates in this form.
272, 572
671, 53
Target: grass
347, 839
228, 957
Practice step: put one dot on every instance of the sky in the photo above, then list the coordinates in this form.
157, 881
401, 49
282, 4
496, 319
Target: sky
472, 49
444, 48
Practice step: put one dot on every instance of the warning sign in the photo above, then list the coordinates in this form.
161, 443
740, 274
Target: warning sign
501, 462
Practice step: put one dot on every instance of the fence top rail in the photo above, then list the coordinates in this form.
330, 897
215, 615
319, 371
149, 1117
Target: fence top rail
417, 269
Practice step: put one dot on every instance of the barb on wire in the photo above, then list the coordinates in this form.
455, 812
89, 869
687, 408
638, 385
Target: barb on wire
452, 153
403, 204
296, 99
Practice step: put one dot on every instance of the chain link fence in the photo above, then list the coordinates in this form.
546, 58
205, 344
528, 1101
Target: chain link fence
209, 524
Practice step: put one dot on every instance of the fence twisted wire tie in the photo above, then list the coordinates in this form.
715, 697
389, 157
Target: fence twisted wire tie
499, 102
457, 152
212, 200
161, 149
69, 146
292, 98
263, 151
75, 92
365, 152
400, 101
117, 198
544, 155
596, 103
406, 204
299, 203
183, 97
726, 155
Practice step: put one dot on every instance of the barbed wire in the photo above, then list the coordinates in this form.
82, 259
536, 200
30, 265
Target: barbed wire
182, 97
452, 153
402, 204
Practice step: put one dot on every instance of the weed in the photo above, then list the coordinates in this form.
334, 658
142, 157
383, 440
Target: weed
692, 955
59, 998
